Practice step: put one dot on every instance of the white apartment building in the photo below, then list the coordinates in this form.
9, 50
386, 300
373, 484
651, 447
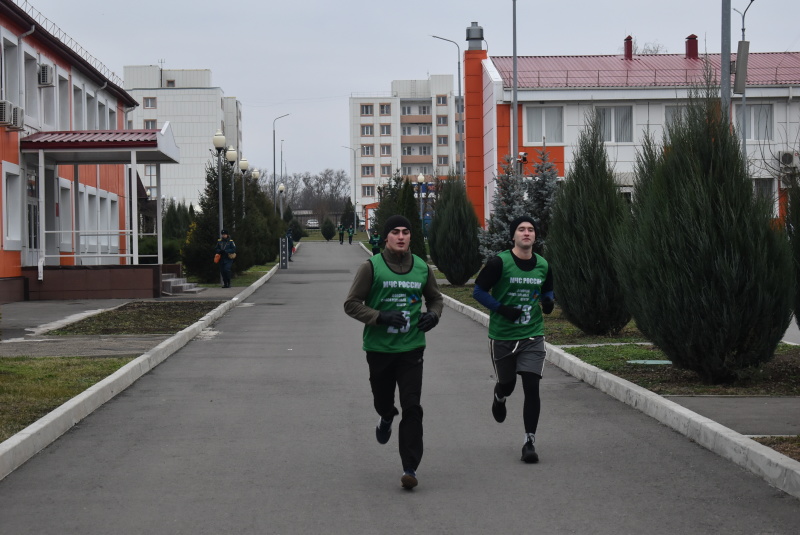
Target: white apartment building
415, 129
195, 109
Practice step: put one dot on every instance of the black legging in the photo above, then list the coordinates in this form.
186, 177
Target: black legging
532, 405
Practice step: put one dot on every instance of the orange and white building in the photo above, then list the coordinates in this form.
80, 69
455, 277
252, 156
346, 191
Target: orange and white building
635, 95
68, 203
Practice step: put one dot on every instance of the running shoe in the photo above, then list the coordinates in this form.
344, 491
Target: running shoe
529, 454
409, 479
498, 409
383, 431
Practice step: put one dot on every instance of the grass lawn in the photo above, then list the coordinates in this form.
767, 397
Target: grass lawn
32, 387
141, 317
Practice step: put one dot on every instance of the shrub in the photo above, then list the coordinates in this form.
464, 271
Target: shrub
586, 216
793, 228
709, 274
328, 229
453, 233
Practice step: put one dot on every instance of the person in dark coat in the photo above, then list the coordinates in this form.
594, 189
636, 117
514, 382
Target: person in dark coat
226, 249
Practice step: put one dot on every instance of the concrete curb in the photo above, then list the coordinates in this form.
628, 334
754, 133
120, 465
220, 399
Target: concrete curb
17, 449
776, 469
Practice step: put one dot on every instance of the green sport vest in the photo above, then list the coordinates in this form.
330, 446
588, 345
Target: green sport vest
519, 289
392, 291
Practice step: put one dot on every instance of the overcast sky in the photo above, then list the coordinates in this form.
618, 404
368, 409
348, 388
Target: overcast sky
306, 58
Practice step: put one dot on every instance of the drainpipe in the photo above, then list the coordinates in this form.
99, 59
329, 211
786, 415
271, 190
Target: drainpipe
21, 66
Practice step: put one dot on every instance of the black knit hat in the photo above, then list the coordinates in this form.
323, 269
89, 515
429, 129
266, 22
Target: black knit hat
392, 223
512, 228
223, 231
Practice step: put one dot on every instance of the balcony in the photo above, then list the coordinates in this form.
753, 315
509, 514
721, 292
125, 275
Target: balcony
416, 158
422, 119
417, 139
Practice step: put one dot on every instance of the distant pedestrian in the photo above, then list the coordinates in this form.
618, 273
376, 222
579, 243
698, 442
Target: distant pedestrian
341, 233
521, 286
386, 296
375, 242
350, 232
289, 243
226, 249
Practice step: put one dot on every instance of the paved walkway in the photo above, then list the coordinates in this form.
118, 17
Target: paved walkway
264, 424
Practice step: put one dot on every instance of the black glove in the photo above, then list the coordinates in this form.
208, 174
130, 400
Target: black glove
547, 305
510, 313
427, 321
392, 318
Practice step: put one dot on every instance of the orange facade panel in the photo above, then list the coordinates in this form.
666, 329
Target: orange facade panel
416, 139
425, 158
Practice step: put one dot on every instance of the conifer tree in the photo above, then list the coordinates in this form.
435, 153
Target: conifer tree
453, 233
408, 206
587, 214
389, 194
708, 273
793, 228
511, 200
328, 230
542, 192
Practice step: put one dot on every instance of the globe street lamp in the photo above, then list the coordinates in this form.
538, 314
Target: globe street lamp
219, 145
243, 165
275, 208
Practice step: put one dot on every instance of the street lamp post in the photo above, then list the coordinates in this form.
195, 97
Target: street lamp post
273, 159
219, 145
459, 105
243, 165
741, 63
281, 189
231, 156
420, 182
355, 213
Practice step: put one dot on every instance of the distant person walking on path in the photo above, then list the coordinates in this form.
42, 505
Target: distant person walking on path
386, 296
350, 232
521, 286
341, 233
375, 242
226, 249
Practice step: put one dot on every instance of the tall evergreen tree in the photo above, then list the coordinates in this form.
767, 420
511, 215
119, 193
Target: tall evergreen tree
585, 219
511, 200
347, 214
793, 227
453, 233
542, 192
408, 206
708, 273
389, 194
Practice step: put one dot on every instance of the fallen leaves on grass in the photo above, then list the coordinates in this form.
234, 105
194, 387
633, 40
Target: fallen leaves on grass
789, 446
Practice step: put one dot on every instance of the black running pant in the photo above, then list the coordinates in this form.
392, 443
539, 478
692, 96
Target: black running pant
403, 371
532, 405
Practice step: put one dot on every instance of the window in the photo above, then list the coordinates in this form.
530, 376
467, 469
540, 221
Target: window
386, 109
407, 170
544, 123
423, 169
149, 103
12, 211
407, 150
425, 130
366, 109
170, 83
441, 120
671, 114
386, 130
366, 130
424, 110
367, 191
150, 180
616, 123
386, 170
367, 170
367, 150
441, 140
762, 187
406, 130
386, 150
150, 124
442, 160
424, 149
405, 110
759, 121
441, 100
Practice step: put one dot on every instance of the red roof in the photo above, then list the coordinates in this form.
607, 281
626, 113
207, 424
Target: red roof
103, 146
655, 70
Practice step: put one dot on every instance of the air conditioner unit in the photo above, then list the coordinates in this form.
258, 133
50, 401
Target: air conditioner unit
17, 119
6, 112
789, 159
46, 75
